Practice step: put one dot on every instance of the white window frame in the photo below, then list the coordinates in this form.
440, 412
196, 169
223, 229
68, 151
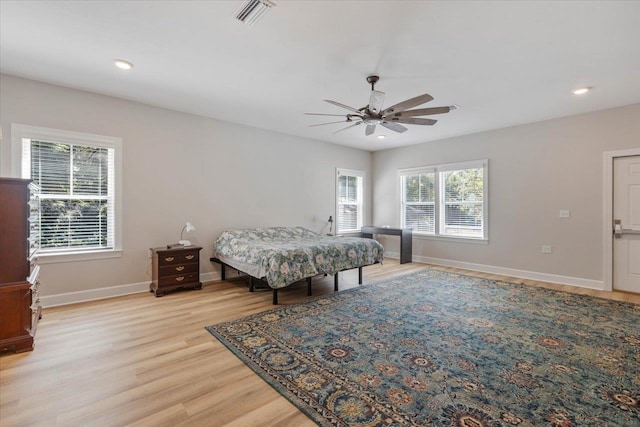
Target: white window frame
437, 169
20, 132
417, 171
360, 218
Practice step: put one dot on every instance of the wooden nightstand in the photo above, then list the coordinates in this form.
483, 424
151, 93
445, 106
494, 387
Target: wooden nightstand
175, 268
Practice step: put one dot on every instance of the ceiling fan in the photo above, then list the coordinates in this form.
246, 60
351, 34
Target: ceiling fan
391, 117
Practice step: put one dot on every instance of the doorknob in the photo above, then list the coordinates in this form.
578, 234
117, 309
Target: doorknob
618, 231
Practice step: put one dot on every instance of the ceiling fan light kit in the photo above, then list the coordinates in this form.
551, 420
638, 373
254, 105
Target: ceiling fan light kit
372, 114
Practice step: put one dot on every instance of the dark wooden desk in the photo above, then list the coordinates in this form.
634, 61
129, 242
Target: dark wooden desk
406, 239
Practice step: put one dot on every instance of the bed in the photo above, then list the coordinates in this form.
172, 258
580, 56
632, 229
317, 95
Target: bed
281, 256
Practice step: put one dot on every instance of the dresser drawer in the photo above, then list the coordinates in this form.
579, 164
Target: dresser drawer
179, 279
173, 270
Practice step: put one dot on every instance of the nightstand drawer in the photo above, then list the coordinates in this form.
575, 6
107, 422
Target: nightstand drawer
179, 279
168, 259
190, 257
173, 270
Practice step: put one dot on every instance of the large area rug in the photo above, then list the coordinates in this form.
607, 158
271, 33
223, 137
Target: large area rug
436, 348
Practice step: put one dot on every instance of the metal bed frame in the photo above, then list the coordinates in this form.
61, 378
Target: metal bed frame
260, 280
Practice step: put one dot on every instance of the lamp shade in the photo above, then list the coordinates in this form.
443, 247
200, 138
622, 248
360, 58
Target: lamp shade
188, 227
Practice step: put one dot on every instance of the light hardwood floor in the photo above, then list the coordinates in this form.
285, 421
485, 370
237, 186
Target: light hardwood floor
146, 361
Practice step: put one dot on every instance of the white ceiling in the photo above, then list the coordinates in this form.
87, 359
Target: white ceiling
504, 63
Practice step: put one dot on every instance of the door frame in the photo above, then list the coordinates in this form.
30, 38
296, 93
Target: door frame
607, 234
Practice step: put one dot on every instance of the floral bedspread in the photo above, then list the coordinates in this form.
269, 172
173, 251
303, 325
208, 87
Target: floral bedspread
288, 254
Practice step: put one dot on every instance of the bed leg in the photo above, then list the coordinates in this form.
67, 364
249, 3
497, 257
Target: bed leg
275, 297
359, 275
309, 286
250, 284
222, 274
335, 282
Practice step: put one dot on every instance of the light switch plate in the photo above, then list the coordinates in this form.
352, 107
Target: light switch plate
546, 249
565, 214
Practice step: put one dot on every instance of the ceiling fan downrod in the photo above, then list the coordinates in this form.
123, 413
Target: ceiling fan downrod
373, 80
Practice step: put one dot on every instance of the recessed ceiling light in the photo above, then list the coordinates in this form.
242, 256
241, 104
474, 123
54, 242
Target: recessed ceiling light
581, 91
381, 136
122, 64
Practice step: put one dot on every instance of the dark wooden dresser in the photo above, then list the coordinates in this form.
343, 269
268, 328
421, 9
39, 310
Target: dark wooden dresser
19, 243
175, 268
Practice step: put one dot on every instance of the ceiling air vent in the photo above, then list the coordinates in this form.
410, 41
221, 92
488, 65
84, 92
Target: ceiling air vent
252, 10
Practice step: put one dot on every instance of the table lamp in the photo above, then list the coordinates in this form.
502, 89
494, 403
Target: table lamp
188, 228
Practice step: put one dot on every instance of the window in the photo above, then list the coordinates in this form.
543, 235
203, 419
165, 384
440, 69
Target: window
349, 201
445, 200
79, 198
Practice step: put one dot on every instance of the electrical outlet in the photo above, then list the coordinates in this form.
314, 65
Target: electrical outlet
565, 214
546, 249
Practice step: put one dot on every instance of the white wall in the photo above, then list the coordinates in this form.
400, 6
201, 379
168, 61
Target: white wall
219, 175
534, 171
180, 167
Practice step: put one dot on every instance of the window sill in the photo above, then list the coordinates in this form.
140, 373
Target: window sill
351, 233
50, 258
478, 241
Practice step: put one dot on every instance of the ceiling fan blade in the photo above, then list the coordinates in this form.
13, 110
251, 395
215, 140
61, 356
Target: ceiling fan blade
322, 114
420, 112
394, 127
343, 106
329, 123
370, 130
409, 103
350, 126
375, 101
414, 121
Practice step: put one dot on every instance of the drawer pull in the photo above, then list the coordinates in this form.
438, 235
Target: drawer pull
169, 258
179, 279
180, 268
190, 257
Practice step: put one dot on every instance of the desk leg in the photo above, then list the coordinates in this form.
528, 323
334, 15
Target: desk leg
406, 247
335, 282
309, 286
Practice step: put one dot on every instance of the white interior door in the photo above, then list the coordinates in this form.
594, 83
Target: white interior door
626, 210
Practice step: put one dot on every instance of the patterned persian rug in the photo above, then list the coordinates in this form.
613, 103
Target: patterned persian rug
436, 348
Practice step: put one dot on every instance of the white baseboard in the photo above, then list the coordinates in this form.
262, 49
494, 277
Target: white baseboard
522, 274
134, 288
108, 292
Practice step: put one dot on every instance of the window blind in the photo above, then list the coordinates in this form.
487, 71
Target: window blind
445, 200
418, 202
462, 202
77, 194
349, 202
